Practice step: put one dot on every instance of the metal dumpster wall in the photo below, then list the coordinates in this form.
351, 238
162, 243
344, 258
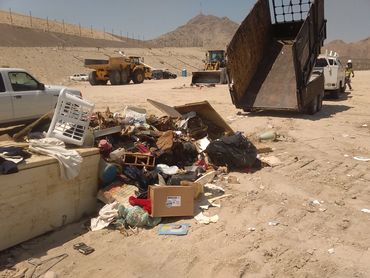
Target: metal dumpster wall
36, 200
247, 48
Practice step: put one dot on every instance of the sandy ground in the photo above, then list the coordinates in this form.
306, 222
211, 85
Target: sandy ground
317, 164
54, 65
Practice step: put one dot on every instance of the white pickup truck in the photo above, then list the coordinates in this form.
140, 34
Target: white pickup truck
24, 98
334, 73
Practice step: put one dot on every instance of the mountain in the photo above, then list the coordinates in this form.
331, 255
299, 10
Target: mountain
207, 31
359, 51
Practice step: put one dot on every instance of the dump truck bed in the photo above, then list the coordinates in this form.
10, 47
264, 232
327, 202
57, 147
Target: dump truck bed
275, 74
270, 64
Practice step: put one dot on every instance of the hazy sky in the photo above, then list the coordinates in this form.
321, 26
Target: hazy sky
347, 19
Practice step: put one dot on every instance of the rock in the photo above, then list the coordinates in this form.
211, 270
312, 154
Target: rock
340, 203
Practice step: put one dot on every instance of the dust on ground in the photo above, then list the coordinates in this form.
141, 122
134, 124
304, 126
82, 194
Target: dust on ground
325, 238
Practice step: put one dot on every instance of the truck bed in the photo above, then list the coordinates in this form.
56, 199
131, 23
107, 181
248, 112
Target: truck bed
270, 63
274, 84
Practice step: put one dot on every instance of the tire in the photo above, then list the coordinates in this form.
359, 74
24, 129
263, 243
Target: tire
102, 82
115, 77
124, 77
312, 107
335, 94
138, 76
319, 103
93, 79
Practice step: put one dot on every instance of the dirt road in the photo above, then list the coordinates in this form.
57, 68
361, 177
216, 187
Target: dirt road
315, 197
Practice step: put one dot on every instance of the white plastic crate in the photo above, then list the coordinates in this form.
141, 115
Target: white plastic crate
71, 119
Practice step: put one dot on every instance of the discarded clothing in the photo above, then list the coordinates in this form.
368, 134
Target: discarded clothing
107, 215
69, 160
14, 151
135, 217
146, 204
235, 151
176, 179
7, 167
10, 157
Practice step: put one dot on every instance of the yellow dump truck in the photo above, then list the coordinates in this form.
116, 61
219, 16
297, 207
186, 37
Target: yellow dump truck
118, 70
214, 69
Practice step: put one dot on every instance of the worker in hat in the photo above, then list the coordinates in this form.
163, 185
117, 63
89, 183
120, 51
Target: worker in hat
349, 72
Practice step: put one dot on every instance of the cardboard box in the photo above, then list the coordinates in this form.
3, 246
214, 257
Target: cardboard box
172, 200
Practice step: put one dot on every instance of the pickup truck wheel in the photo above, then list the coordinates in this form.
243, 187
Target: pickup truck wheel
115, 77
138, 76
124, 77
335, 94
312, 107
92, 78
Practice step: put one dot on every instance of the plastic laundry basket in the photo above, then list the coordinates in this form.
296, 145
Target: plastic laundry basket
71, 119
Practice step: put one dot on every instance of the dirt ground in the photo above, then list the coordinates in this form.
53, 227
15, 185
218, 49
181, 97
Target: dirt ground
329, 239
54, 65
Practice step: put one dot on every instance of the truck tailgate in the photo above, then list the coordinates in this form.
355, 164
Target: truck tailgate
274, 85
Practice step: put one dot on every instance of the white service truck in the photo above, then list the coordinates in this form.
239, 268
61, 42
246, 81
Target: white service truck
23, 97
334, 73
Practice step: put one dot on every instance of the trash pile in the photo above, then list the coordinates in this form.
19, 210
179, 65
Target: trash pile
150, 167
153, 167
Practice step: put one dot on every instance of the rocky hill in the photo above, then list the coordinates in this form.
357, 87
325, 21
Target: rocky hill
19, 30
206, 31
359, 51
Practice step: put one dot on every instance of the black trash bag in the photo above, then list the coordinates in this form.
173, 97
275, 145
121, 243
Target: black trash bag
177, 178
182, 154
235, 152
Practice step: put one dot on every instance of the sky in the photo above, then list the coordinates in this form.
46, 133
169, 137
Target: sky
348, 20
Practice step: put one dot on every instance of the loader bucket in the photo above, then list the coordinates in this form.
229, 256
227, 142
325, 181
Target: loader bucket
209, 77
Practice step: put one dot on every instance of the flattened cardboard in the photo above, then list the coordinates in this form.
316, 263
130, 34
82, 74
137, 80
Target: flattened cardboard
170, 111
203, 109
172, 200
206, 112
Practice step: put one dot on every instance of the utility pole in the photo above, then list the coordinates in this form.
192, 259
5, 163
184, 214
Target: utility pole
11, 17
30, 19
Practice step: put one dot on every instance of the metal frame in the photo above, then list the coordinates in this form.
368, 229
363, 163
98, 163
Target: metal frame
290, 10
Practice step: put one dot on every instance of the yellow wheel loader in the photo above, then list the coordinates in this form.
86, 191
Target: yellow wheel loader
214, 69
116, 70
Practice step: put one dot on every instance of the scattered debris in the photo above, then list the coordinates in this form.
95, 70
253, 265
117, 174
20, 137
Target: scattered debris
340, 203
268, 136
271, 161
173, 229
232, 180
83, 248
273, 223
331, 251
203, 219
362, 158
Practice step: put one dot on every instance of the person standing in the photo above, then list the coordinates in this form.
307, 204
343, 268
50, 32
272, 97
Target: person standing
349, 74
